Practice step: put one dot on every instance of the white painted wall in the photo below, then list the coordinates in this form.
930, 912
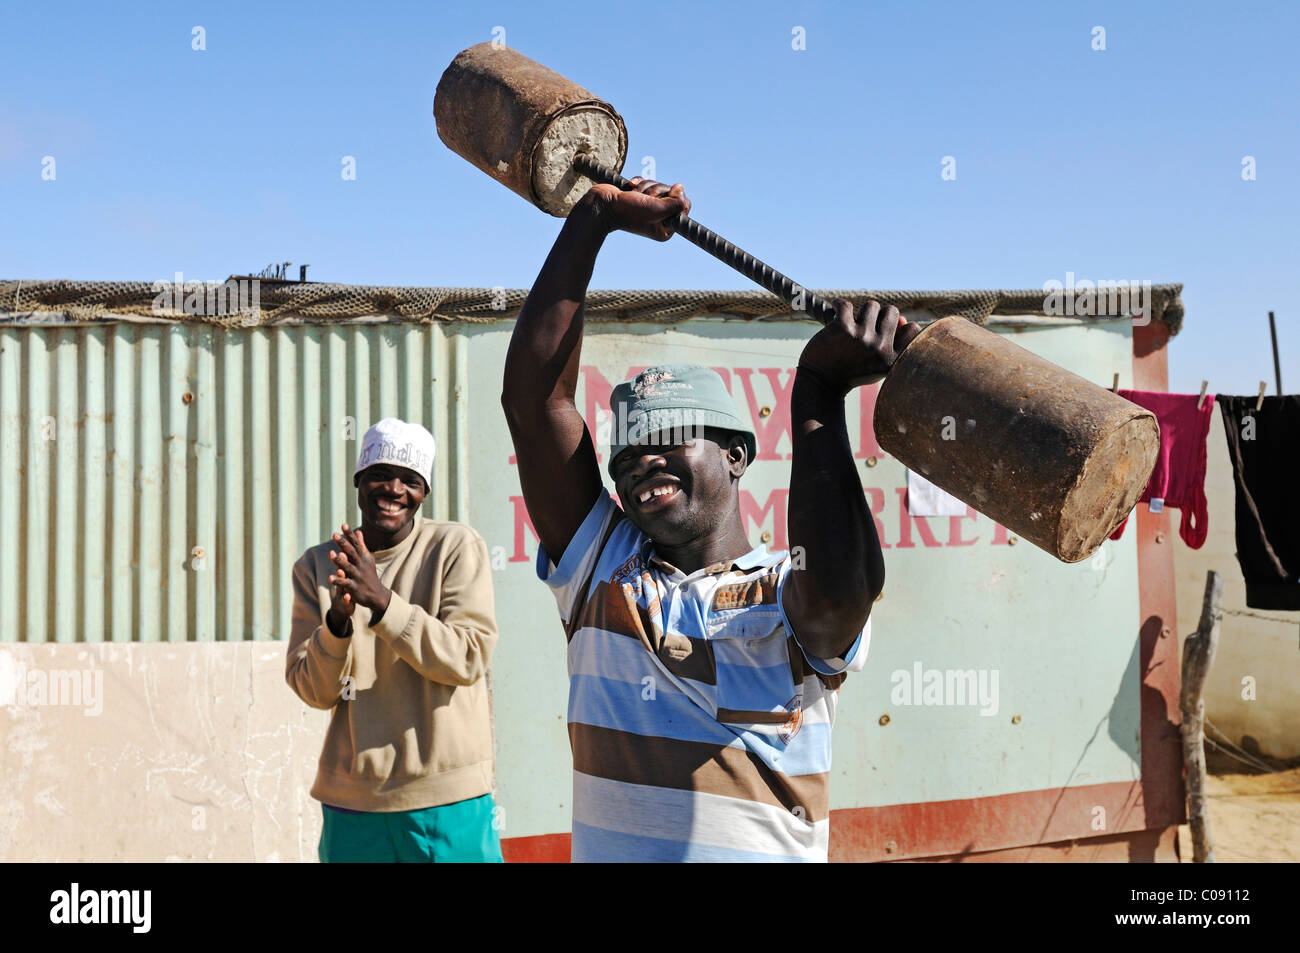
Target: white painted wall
189, 752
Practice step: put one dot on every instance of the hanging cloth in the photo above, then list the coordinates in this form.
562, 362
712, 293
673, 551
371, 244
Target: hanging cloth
1178, 478
1264, 447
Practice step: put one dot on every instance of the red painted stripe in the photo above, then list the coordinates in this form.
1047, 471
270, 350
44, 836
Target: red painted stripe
1158, 657
970, 825
1135, 847
948, 829
543, 849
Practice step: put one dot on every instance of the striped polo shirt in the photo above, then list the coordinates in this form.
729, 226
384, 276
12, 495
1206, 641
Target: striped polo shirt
700, 729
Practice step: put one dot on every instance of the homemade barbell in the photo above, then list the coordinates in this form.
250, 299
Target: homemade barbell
1048, 454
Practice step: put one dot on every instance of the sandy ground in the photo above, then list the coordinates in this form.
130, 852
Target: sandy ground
1253, 817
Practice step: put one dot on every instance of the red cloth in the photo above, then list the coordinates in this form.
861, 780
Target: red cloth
1179, 474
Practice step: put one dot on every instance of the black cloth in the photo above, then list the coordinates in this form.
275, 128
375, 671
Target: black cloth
1264, 447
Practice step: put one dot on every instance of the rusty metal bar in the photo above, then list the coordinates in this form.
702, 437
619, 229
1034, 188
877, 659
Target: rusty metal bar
742, 261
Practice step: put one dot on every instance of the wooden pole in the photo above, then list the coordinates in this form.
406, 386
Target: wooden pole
1277, 367
1198, 655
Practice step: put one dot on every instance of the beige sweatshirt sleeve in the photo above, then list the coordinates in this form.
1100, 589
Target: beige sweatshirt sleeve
317, 659
455, 646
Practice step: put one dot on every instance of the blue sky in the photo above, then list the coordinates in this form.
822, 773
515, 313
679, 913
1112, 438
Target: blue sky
1117, 164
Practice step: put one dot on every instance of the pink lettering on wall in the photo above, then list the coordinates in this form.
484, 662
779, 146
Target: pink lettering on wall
596, 390
522, 520
954, 528
771, 428
876, 496
750, 512
905, 521
867, 445
757, 383
774, 511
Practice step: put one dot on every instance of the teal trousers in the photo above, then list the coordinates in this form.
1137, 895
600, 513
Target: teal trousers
462, 832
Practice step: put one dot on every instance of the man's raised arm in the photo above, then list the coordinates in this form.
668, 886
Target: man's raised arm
554, 450
841, 569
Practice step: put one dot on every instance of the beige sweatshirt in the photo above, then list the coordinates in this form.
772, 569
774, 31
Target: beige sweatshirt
411, 726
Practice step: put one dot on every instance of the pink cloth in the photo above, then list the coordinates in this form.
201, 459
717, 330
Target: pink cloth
1179, 475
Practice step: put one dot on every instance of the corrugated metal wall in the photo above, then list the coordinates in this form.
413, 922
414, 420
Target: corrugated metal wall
156, 480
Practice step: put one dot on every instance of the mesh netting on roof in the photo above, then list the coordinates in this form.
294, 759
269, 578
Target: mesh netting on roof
280, 302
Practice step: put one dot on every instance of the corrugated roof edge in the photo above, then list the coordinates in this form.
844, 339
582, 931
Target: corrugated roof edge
251, 302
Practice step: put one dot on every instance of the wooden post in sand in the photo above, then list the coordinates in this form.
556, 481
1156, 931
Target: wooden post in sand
1198, 655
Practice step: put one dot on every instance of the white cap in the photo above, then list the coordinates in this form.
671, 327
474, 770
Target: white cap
400, 444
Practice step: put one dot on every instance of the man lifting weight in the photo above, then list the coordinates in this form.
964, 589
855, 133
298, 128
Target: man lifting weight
703, 670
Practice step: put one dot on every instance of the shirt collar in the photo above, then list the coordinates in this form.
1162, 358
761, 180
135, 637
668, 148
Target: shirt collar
383, 557
756, 557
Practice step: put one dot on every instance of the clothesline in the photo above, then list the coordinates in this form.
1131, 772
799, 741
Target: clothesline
1256, 615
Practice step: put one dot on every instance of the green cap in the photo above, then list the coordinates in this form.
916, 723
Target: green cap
672, 402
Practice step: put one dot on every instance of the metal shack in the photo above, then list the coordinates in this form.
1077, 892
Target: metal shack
165, 457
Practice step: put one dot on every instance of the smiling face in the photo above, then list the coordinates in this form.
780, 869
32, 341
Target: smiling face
679, 493
389, 497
